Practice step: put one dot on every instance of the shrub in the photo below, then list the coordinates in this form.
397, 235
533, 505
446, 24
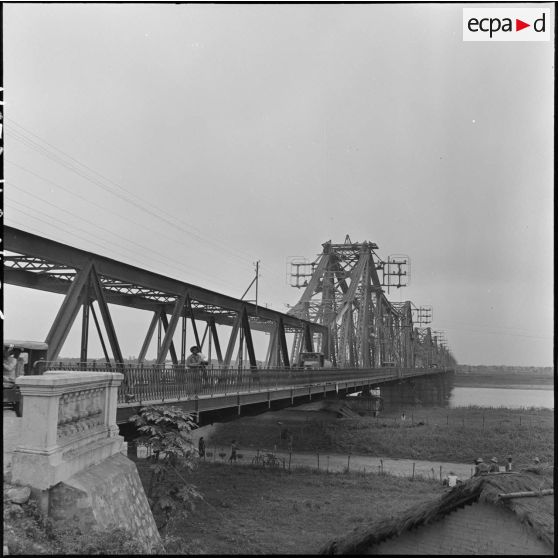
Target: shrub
166, 430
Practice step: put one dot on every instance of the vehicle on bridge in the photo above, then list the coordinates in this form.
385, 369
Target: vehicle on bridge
309, 360
21, 358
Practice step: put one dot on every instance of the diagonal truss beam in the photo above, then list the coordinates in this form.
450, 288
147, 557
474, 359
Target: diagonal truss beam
67, 313
248, 338
105, 315
149, 336
283, 349
232, 340
170, 327
216, 343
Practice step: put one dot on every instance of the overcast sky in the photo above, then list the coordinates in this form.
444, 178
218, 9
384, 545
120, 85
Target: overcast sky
194, 140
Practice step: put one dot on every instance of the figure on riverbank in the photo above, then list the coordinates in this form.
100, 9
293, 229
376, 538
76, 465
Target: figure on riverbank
234, 449
451, 480
494, 468
481, 468
201, 447
509, 463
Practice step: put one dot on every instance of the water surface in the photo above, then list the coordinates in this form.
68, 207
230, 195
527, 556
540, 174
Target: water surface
501, 397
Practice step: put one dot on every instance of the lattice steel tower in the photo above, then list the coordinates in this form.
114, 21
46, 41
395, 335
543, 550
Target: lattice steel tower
343, 289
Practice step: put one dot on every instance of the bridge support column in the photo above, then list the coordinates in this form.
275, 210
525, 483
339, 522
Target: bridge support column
70, 454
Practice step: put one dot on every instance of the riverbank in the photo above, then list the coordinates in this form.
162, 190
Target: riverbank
248, 510
431, 434
257, 510
509, 381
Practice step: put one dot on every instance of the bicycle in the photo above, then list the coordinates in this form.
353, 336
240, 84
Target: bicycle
266, 460
272, 461
259, 461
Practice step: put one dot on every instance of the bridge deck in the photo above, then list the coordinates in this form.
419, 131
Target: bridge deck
213, 389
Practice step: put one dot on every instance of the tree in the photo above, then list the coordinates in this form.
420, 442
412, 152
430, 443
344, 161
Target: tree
166, 431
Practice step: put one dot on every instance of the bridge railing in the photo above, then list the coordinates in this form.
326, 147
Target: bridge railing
159, 383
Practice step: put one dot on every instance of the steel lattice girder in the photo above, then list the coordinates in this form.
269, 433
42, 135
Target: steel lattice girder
345, 294
43, 264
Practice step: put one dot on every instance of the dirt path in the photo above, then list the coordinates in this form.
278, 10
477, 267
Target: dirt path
361, 463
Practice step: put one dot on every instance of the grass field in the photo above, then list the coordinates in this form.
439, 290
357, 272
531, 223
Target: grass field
248, 510
436, 434
260, 511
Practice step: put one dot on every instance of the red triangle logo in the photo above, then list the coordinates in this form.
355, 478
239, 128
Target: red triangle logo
519, 25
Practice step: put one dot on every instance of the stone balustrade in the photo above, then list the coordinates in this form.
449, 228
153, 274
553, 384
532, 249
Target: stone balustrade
68, 424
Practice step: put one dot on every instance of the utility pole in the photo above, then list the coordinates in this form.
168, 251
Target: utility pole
255, 280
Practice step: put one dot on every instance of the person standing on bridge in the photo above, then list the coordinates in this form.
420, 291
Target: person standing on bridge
196, 362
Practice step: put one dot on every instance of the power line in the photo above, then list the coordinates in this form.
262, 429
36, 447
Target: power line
165, 261
58, 227
76, 166
105, 209
120, 215
487, 332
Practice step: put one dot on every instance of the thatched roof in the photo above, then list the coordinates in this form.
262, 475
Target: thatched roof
536, 512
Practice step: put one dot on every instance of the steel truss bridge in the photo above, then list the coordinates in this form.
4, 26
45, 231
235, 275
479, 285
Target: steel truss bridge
343, 312
344, 291
86, 278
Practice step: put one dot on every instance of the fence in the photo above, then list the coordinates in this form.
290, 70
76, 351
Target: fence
160, 383
326, 463
480, 419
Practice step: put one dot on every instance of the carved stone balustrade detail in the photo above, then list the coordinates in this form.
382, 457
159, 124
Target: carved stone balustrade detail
68, 424
80, 411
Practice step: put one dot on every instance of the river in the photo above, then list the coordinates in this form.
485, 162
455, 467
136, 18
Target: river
513, 398
451, 391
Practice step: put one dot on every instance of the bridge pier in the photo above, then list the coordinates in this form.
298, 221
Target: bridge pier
414, 392
70, 454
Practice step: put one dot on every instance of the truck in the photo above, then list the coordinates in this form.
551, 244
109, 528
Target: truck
310, 360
